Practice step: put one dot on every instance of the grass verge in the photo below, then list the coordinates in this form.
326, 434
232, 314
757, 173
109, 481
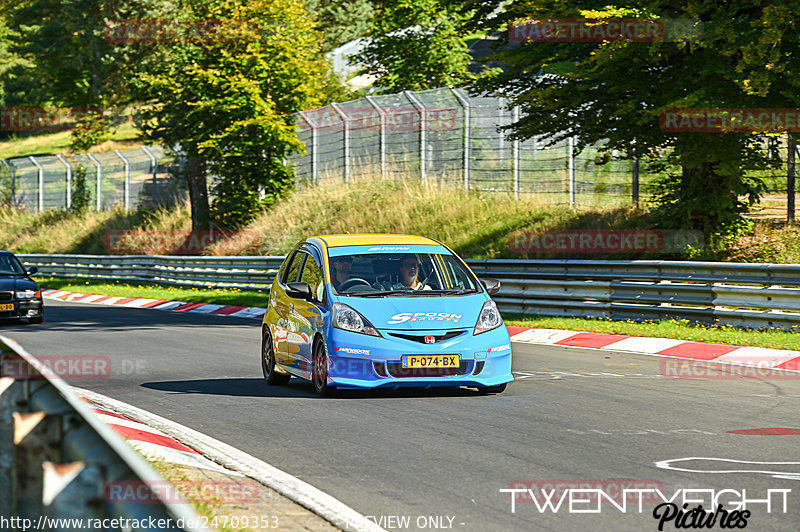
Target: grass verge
677, 329
222, 296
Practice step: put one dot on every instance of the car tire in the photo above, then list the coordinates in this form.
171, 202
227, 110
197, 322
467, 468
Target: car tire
268, 362
500, 388
319, 373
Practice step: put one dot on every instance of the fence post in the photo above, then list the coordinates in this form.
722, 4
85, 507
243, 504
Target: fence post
571, 166
635, 182
465, 105
501, 136
314, 145
127, 200
346, 122
515, 154
41, 182
13, 181
423, 127
99, 181
154, 168
382, 141
69, 180
790, 180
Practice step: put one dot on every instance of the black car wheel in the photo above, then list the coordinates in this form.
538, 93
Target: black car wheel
320, 371
268, 362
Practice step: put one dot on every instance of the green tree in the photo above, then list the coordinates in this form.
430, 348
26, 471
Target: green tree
416, 45
745, 58
228, 104
341, 23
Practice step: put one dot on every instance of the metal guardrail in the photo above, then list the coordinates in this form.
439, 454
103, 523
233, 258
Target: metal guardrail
58, 459
743, 295
239, 272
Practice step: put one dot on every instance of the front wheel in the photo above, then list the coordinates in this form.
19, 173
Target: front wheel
320, 372
500, 388
268, 362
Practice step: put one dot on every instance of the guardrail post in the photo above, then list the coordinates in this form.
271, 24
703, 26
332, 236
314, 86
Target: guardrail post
127, 179
70, 490
346, 125
423, 127
466, 107
635, 182
382, 138
41, 182
99, 181
571, 168
154, 169
13, 181
790, 180
69, 180
10, 397
36, 437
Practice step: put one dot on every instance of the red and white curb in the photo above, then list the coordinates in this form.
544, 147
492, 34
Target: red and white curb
759, 357
304, 494
158, 304
152, 443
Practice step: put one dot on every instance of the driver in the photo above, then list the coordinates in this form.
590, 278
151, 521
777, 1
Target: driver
409, 269
341, 269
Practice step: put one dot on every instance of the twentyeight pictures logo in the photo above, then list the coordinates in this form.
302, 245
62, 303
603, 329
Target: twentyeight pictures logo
681, 508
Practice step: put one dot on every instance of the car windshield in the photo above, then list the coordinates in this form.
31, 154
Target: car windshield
9, 265
400, 274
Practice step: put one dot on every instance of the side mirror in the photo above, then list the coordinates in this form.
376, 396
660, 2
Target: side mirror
33, 270
299, 291
491, 285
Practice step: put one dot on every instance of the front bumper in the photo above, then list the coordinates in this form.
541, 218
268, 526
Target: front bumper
25, 308
362, 361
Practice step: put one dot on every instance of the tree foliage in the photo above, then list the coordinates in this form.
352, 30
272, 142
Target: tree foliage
341, 23
229, 104
416, 45
615, 92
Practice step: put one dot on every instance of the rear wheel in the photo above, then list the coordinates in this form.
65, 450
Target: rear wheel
500, 388
268, 362
320, 372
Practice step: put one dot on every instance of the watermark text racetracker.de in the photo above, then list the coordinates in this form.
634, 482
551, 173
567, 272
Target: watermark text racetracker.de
681, 508
44, 118
605, 30
69, 367
729, 120
601, 241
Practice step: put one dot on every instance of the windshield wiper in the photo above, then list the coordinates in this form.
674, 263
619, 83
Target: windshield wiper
453, 292
376, 293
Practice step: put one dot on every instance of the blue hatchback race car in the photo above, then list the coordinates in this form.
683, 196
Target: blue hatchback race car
383, 311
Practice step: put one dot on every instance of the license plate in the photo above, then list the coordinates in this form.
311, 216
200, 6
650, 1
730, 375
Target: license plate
9, 306
430, 361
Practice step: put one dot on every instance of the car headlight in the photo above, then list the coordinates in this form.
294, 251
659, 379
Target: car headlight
28, 294
348, 319
488, 319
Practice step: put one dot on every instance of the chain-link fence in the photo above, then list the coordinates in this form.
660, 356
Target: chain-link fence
447, 136
124, 178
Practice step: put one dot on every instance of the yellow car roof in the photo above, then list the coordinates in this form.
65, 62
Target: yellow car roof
374, 239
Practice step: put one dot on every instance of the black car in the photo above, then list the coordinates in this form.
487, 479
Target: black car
20, 296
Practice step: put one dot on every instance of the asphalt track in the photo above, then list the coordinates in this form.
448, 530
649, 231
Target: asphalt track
572, 415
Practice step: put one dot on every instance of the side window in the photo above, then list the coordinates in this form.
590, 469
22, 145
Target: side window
294, 267
312, 274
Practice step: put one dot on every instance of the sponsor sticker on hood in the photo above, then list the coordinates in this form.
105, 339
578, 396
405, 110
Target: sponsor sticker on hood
424, 316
